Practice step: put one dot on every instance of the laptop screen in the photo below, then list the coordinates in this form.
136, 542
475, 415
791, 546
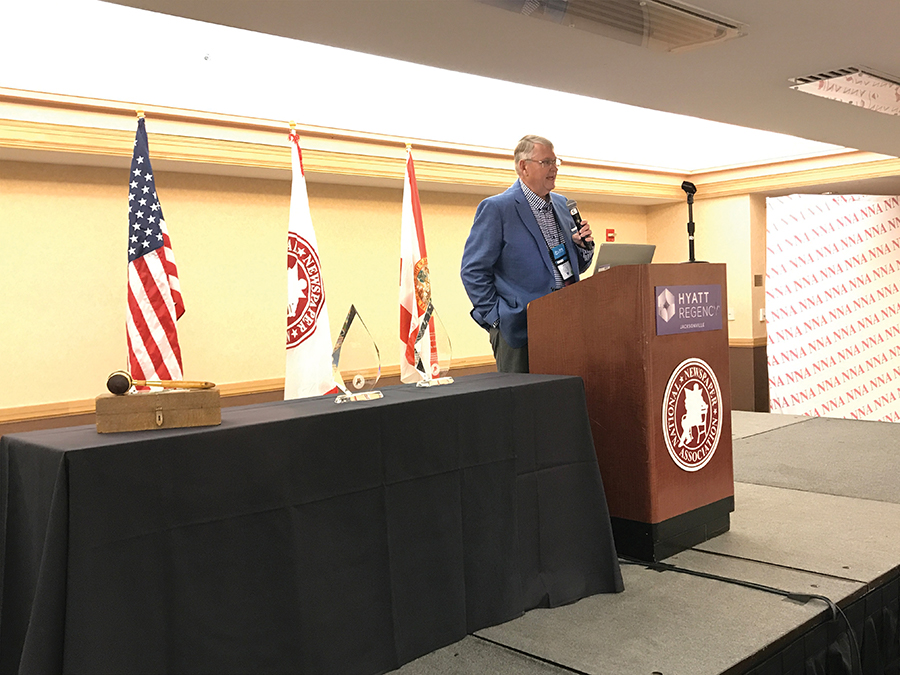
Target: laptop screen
613, 255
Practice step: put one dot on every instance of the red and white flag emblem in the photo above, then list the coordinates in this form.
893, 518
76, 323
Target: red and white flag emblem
308, 370
415, 286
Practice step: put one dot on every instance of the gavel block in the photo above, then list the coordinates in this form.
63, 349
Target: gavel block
169, 409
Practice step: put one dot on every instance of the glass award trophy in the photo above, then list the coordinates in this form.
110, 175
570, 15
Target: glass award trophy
356, 361
433, 351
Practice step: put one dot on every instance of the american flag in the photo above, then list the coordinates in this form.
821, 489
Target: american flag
154, 294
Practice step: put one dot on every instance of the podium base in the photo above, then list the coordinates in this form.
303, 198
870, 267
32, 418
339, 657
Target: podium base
652, 542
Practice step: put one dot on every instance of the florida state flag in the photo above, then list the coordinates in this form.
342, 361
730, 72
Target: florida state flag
308, 368
415, 286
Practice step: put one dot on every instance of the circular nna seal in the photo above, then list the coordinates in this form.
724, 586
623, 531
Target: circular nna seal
692, 414
305, 294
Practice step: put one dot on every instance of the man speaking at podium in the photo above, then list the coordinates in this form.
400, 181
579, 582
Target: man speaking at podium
524, 244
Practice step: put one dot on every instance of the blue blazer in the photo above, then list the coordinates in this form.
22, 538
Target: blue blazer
506, 263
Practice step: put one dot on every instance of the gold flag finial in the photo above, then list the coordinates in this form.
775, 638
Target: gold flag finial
140, 114
293, 125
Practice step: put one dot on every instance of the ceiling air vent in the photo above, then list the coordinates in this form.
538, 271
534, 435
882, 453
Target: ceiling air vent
857, 86
655, 24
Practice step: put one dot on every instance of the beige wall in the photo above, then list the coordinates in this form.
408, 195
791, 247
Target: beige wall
64, 263
629, 222
62, 236
727, 230
758, 263
358, 230
63, 258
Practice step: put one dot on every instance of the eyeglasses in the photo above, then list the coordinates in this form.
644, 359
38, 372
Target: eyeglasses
546, 163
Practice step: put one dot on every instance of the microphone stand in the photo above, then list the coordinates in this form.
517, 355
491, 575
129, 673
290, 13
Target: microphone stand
690, 189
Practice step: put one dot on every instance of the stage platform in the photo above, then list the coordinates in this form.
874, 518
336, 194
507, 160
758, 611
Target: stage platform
817, 513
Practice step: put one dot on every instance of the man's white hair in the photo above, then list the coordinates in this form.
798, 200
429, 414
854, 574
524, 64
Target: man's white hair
525, 148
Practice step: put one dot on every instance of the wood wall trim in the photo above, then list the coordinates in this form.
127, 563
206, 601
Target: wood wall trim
234, 389
51, 123
46, 410
227, 390
748, 342
432, 166
40, 122
835, 168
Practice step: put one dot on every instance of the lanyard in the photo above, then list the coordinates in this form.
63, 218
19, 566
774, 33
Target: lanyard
559, 254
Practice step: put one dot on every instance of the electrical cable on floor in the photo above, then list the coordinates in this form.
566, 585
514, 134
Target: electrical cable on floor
533, 657
856, 660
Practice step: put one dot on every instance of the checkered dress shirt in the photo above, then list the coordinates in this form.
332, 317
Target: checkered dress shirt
546, 220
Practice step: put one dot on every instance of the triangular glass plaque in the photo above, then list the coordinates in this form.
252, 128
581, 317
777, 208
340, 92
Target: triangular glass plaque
356, 361
433, 350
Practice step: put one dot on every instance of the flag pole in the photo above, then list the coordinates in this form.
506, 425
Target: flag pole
140, 116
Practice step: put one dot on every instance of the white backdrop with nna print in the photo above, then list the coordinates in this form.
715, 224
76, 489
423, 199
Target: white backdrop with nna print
833, 305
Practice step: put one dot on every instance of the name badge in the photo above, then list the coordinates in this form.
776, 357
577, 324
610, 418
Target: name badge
561, 260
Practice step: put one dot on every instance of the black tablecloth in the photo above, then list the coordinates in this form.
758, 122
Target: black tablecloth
301, 536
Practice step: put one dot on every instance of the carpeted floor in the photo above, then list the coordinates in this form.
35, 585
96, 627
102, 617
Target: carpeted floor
817, 509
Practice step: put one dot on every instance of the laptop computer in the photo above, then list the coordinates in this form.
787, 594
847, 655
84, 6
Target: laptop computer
612, 255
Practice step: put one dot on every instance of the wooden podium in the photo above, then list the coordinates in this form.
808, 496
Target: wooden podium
654, 359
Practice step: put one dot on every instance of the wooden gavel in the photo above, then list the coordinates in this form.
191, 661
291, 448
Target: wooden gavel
120, 382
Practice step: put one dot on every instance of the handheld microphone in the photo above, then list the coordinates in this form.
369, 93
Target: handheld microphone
572, 205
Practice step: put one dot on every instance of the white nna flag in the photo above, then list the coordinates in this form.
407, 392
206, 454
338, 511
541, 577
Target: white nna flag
308, 369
